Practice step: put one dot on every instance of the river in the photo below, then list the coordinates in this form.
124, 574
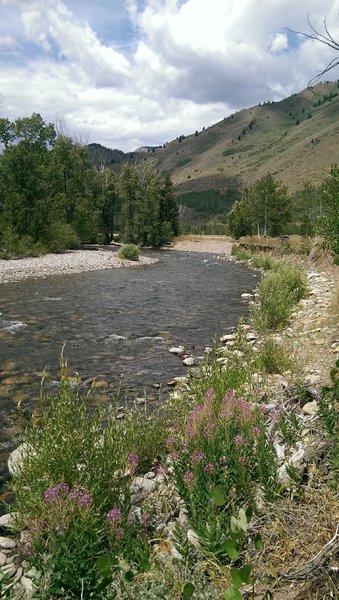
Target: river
118, 326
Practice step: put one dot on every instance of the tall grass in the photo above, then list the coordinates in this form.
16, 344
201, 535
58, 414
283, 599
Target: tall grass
278, 291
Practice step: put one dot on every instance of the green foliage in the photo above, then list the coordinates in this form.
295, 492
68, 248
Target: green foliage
149, 214
264, 208
278, 291
211, 202
263, 261
329, 413
129, 252
273, 357
219, 458
60, 236
65, 491
328, 222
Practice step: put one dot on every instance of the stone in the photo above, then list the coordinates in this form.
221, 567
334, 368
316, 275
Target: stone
246, 296
141, 484
188, 362
7, 543
177, 350
33, 573
27, 584
3, 559
8, 571
227, 337
311, 408
193, 539
8, 521
208, 350
181, 380
16, 458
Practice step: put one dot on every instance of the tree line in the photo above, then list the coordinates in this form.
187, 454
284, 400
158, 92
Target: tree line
267, 209
53, 197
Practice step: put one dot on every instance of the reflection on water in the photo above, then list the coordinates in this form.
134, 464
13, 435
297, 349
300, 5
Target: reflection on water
116, 323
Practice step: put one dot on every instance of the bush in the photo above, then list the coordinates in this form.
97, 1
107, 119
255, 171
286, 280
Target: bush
73, 497
129, 252
263, 261
12, 245
279, 291
273, 357
60, 237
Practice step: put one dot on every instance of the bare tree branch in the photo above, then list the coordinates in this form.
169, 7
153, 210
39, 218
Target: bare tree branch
324, 38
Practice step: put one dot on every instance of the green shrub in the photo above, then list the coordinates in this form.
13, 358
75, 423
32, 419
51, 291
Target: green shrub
273, 357
278, 291
240, 253
220, 459
129, 252
73, 490
263, 261
60, 237
12, 245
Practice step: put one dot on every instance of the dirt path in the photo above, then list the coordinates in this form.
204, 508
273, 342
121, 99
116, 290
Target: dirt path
208, 243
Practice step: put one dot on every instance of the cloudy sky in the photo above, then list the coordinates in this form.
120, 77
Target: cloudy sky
127, 73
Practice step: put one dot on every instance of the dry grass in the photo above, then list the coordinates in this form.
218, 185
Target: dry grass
293, 532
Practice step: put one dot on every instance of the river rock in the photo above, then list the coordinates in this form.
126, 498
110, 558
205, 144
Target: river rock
246, 296
227, 337
143, 485
16, 458
311, 408
189, 361
177, 350
27, 584
3, 559
8, 521
7, 543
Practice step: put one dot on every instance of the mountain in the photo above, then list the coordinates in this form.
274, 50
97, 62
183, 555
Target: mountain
100, 156
296, 140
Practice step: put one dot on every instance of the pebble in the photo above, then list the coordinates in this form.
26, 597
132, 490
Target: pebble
3, 559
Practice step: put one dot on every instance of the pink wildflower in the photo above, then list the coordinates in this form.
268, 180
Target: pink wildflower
113, 515
209, 468
238, 440
188, 478
197, 457
133, 459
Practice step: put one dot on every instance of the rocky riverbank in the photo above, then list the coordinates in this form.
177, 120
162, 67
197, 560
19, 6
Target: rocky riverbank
73, 261
313, 338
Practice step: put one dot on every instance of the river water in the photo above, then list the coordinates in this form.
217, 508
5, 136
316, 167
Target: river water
118, 326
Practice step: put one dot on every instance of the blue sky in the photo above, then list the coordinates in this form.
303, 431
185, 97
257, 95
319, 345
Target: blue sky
127, 73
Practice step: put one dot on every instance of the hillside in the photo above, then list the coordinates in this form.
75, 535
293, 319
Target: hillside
295, 139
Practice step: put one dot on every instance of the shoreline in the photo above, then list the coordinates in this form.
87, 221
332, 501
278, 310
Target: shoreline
72, 261
81, 261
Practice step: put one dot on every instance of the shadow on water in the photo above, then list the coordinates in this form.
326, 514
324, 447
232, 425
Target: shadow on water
117, 325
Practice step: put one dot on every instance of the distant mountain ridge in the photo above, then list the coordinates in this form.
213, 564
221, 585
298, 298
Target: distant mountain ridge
295, 139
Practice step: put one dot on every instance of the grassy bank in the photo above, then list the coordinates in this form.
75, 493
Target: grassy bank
214, 514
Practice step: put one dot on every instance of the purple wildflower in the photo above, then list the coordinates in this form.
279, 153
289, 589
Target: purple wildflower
85, 500
133, 459
209, 468
55, 491
223, 461
170, 443
113, 515
145, 520
238, 440
197, 457
256, 431
210, 394
188, 478
27, 550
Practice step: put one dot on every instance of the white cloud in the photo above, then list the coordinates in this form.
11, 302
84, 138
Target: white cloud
279, 43
194, 63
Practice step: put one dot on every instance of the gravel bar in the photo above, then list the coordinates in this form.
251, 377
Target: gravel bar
73, 261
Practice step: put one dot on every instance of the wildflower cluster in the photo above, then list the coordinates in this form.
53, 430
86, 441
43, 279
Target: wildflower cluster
62, 492
223, 445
